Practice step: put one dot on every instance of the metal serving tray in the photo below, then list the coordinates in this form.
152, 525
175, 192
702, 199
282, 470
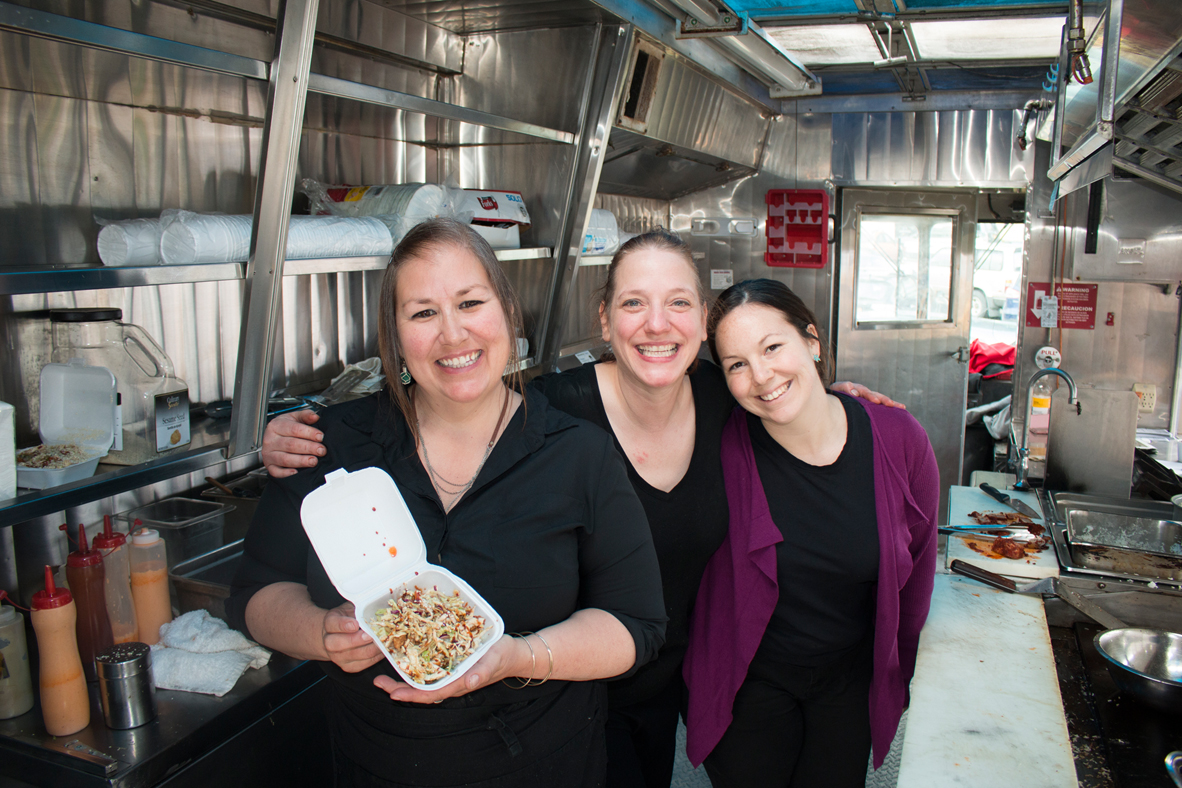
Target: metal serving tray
1117, 538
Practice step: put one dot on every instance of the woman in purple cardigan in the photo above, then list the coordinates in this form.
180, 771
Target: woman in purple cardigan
804, 634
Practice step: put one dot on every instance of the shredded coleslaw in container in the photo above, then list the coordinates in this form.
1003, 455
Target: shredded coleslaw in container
428, 632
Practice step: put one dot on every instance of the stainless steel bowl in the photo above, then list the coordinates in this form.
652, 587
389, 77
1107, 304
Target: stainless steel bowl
1146, 663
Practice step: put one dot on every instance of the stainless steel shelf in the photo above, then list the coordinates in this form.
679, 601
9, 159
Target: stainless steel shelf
341, 88
75, 31
14, 281
209, 438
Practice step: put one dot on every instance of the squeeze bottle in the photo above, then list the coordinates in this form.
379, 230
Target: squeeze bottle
65, 705
115, 551
84, 573
149, 584
16, 685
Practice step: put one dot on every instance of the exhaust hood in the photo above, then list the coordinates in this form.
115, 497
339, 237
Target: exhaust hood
1132, 112
678, 131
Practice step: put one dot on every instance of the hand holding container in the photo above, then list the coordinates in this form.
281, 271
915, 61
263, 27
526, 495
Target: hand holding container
371, 549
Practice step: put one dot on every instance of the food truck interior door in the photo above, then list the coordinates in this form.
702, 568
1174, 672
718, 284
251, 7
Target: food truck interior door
904, 302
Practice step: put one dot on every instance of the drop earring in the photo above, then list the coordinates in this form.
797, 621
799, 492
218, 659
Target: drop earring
404, 376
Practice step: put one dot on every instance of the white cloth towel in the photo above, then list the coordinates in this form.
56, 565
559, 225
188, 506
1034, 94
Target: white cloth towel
200, 653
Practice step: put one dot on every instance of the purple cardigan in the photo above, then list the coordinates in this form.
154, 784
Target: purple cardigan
739, 590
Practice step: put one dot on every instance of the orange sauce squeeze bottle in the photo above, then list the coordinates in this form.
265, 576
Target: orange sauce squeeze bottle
117, 570
65, 705
149, 584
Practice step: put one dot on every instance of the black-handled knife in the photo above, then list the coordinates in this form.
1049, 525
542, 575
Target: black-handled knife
1009, 501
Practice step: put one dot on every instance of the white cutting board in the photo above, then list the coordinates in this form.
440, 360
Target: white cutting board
985, 705
961, 501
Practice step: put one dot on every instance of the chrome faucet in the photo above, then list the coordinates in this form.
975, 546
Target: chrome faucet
1023, 452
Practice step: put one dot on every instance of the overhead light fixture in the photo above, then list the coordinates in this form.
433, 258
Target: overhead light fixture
749, 46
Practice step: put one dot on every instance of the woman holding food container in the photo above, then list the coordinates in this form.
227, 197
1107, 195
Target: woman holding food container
531, 507
805, 630
666, 412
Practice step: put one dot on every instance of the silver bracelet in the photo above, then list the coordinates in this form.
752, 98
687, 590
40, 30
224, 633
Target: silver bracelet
532, 662
550, 654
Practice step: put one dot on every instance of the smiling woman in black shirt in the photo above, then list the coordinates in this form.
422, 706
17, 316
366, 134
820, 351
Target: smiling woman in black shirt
540, 519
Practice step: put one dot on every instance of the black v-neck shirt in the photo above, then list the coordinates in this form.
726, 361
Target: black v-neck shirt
827, 565
688, 523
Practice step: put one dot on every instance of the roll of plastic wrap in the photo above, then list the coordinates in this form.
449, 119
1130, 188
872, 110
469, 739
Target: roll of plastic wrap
131, 242
603, 235
201, 238
401, 206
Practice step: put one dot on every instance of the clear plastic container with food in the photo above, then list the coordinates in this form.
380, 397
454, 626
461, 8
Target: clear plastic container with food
77, 426
371, 548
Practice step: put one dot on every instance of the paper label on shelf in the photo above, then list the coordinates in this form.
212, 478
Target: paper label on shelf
585, 357
172, 420
721, 278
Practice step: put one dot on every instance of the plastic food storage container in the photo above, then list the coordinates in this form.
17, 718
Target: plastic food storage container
249, 488
371, 549
77, 406
189, 527
203, 583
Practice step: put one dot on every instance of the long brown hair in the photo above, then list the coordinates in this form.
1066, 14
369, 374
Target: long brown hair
660, 240
440, 233
779, 297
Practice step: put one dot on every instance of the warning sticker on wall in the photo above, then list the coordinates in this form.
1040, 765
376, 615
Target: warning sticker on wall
721, 278
1073, 305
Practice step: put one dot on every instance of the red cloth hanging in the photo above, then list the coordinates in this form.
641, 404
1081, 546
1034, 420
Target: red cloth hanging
982, 354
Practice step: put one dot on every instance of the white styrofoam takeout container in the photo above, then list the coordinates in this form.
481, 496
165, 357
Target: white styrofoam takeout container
77, 406
353, 520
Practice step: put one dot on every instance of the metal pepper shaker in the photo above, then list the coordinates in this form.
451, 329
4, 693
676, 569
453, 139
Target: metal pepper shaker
126, 691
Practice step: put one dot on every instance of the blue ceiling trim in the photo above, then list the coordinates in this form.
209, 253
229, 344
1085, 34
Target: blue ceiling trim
776, 8
873, 82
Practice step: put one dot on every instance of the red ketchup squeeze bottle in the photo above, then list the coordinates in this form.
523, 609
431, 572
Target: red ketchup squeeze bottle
115, 551
84, 572
149, 584
65, 705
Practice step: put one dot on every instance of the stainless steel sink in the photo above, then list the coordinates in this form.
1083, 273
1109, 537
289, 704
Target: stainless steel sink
1116, 537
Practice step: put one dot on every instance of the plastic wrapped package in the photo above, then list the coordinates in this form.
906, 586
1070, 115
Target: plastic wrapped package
400, 206
193, 238
603, 235
131, 242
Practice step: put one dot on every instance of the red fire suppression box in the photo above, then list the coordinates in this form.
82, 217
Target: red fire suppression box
797, 228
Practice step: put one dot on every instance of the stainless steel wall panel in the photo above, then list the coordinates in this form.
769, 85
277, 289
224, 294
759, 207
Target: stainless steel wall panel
63, 178
535, 76
109, 155
635, 214
486, 17
949, 148
16, 70
22, 227
1132, 210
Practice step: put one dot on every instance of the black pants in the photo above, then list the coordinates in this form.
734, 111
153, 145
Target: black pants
642, 739
553, 741
798, 727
